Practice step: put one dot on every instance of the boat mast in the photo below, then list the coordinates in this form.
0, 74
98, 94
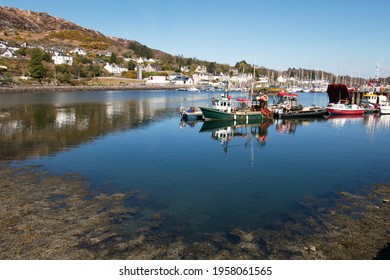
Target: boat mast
253, 81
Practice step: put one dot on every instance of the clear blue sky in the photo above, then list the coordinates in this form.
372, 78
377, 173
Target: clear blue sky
341, 36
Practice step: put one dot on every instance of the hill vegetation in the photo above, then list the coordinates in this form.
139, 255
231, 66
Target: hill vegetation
41, 29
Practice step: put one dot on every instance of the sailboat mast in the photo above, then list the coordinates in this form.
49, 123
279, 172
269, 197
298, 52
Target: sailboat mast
253, 81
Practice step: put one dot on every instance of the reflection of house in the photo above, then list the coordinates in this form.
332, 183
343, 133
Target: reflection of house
65, 117
114, 69
61, 58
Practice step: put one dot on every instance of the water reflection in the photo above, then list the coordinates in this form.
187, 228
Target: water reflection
231, 134
44, 129
340, 121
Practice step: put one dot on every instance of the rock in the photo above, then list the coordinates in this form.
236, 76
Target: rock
312, 248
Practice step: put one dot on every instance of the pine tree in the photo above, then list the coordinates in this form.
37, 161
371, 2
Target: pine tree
36, 68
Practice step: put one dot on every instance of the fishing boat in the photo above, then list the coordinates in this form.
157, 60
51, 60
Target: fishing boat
344, 108
340, 101
241, 109
287, 106
190, 114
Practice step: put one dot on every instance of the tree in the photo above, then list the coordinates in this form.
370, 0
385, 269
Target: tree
36, 68
113, 58
211, 67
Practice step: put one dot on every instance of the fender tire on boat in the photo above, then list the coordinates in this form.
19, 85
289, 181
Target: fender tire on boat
288, 106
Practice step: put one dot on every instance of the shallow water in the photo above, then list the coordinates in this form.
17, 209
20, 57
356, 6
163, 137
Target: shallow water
198, 181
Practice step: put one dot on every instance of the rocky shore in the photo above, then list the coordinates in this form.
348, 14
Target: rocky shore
57, 217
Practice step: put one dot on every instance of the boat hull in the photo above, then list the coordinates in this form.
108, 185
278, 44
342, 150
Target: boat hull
215, 114
355, 112
303, 114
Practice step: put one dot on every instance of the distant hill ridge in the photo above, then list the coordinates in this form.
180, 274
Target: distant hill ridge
15, 22
23, 20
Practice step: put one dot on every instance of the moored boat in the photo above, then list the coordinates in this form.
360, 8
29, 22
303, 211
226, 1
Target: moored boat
241, 109
287, 106
343, 108
190, 114
340, 101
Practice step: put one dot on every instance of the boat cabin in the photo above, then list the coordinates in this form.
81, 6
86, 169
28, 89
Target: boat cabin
223, 103
288, 99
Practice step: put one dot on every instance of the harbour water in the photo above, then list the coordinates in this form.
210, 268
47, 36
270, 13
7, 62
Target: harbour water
202, 178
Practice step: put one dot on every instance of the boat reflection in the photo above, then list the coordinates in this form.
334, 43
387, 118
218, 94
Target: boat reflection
248, 133
289, 126
340, 121
376, 123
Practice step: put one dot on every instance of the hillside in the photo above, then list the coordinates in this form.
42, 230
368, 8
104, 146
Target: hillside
39, 28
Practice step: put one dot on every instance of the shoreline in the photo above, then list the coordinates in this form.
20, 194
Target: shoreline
69, 88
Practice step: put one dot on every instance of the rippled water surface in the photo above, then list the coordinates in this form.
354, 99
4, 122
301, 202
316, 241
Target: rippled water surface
205, 177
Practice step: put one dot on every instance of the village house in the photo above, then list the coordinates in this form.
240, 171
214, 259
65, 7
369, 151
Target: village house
114, 69
157, 80
201, 79
62, 58
79, 51
201, 69
181, 80
185, 69
54, 51
233, 71
6, 52
152, 68
104, 53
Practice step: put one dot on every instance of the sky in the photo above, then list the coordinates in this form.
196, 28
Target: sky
344, 37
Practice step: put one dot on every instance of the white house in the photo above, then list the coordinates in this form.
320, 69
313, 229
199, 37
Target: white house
79, 51
6, 53
182, 80
201, 69
61, 58
201, 78
156, 80
152, 68
114, 69
104, 53
281, 79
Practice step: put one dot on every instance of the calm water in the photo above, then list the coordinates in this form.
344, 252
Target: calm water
200, 176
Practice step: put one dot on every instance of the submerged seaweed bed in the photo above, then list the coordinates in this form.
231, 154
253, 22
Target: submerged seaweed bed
43, 216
